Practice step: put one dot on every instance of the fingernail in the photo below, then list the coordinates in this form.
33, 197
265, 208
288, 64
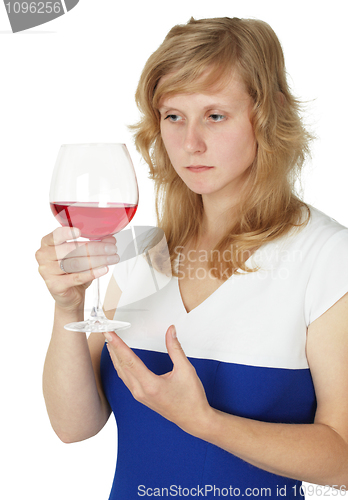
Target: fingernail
76, 233
173, 332
110, 249
100, 271
112, 259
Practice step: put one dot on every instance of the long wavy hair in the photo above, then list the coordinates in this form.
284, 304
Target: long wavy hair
196, 57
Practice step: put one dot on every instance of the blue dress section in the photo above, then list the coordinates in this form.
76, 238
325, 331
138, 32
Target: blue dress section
247, 342
156, 458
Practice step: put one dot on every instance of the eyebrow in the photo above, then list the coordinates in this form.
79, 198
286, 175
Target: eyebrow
214, 105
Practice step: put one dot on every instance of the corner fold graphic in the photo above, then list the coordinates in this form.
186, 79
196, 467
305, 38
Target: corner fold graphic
24, 15
70, 4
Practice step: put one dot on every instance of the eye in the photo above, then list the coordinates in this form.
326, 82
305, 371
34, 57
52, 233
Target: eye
173, 118
216, 117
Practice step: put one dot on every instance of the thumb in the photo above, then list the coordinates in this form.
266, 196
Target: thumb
174, 348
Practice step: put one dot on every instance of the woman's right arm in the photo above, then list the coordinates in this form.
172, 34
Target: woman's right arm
74, 398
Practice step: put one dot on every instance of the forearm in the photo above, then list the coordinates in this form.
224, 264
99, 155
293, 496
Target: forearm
314, 453
73, 403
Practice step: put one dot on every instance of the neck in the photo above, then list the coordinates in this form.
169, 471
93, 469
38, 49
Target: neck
218, 217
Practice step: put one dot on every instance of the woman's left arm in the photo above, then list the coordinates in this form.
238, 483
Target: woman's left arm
315, 453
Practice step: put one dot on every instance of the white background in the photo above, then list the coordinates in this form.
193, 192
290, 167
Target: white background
73, 80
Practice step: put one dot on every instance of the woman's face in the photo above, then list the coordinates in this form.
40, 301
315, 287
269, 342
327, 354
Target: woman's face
209, 138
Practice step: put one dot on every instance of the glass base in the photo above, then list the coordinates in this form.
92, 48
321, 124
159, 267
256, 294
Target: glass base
102, 325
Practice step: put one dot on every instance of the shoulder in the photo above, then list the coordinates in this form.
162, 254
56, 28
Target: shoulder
323, 245
323, 235
318, 232
304, 243
322, 224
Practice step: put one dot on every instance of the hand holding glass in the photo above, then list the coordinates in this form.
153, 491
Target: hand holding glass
94, 189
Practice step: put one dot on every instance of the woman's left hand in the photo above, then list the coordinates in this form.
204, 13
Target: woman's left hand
178, 395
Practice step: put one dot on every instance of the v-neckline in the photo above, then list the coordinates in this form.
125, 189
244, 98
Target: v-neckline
257, 252
201, 303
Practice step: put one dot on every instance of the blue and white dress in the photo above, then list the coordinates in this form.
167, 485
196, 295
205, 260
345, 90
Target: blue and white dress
247, 342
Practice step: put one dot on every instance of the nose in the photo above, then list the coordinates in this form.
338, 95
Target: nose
194, 141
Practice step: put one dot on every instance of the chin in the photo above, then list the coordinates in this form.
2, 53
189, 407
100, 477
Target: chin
199, 190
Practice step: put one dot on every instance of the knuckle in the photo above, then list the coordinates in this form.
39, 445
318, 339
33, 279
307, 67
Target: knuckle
127, 363
145, 393
138, 394
38, 254
41, 270
151, 390
77, 278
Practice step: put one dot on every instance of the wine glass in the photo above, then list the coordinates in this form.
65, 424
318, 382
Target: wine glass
94, 189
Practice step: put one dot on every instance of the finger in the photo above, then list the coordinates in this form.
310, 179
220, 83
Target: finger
174, 348
124, 357
79, 249
132, 381
60, 235
109, 239
132, 371
90, 255
87, 249
81, 264
73, 250
61, 284
58, 252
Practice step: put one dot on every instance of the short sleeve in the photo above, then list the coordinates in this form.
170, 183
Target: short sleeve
328, 280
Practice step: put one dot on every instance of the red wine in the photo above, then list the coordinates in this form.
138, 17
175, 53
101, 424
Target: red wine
95, 222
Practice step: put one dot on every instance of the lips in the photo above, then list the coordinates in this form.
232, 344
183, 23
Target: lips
198, 168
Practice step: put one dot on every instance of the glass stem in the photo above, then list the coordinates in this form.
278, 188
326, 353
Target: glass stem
97, 312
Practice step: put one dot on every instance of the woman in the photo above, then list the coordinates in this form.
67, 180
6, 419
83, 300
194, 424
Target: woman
253, 400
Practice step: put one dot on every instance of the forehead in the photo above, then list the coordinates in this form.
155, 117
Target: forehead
228, 92
211, 79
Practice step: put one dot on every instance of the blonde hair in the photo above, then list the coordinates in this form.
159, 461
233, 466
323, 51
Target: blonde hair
194, 57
